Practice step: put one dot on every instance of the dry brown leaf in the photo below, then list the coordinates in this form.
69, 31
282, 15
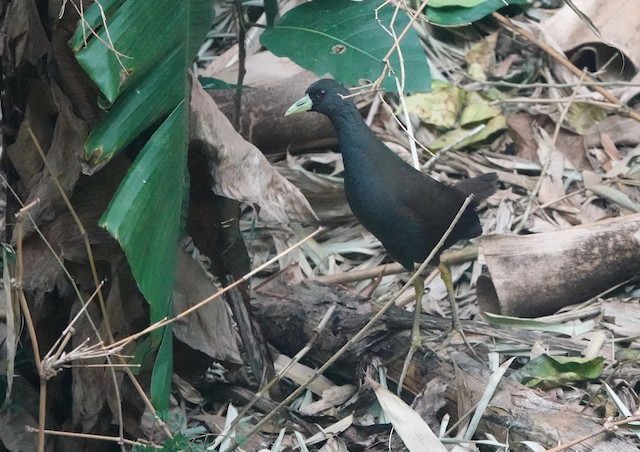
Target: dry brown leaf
209, 328
239, 169
63, 155
25, 35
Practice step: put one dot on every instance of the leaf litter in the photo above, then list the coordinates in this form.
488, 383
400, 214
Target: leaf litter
589, 178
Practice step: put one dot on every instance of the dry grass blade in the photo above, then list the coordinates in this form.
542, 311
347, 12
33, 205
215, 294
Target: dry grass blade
413, 430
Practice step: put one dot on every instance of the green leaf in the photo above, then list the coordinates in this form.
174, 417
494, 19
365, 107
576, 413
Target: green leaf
583, 116
462, 3
460, 15
140, 66
462, 137
130, 44
552, 371
145, 213
344, 38
137, 109
215, 83
93, 20
271, 11
539, 325
163, 371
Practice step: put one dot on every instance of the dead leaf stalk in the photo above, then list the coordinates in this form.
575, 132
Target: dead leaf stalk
20, 220
94, 274
608, 427
114, 439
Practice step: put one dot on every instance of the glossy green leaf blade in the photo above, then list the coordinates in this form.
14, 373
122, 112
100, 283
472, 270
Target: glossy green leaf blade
142, 31
93, 20
345, 39
145, 213
163, 371
137, 109
461, 15
463, 3
271, 11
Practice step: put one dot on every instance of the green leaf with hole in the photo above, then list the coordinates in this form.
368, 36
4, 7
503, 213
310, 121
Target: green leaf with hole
347, 40
462, 15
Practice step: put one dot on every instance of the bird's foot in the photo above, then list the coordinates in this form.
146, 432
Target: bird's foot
456, 336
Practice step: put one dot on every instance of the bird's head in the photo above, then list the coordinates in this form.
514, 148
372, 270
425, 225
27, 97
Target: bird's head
324, 96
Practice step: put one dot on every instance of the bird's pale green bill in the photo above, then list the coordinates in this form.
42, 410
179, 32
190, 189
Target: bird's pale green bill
303, 104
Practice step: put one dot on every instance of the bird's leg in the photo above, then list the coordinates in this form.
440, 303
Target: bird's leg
447, 279
456, 326
416, 337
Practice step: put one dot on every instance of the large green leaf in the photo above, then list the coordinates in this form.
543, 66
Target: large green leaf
144, 104
144, 214
135, 39
344, 38
139, 61
463, 14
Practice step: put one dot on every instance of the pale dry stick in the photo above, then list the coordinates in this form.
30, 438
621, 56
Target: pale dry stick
396, 43
533, 195
365, 329
114, 439
94, 274
609, 427
391, 31
554, 201
560, 100
551, 85
566, 63
407, 119
61, 343
166, 321
450, 257
283, 373
42, 412
402, 126
132, 378
375, 104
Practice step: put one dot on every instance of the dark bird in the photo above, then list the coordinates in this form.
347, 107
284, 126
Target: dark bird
405, 209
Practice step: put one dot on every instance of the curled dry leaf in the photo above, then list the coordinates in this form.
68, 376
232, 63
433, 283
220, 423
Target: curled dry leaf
239, 169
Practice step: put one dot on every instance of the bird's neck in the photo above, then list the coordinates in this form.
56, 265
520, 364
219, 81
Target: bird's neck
354, 136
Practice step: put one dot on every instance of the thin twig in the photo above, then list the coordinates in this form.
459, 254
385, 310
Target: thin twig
94, 273
545, 167
609, 426
166, 321
283, 373
42, 411
566, 63
365, 329
114, 439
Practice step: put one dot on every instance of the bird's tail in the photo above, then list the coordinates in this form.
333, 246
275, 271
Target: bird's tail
482, 186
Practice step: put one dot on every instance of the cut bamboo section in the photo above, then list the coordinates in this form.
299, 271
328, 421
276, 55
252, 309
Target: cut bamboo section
535, 275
